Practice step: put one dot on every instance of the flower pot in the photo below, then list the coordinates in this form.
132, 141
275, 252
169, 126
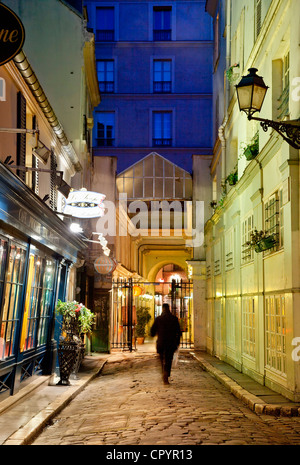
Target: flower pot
67, 356
251, 152
140, 340
265, 244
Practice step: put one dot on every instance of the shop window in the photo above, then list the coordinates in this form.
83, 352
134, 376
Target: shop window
12, 294
46, 301
31, 308
2, 90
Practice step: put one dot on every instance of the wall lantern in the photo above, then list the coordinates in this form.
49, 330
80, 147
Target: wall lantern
251, 92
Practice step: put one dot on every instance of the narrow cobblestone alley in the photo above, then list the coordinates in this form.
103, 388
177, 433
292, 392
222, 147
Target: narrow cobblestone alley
129, 405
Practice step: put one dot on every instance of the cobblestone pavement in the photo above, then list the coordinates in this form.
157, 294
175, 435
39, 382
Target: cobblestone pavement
129, 405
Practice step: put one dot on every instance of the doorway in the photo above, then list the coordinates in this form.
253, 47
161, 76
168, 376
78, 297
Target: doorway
172, 287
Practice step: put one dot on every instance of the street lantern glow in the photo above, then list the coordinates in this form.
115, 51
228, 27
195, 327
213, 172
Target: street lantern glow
251, 92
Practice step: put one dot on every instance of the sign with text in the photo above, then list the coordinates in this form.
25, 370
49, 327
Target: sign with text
84, 204
12, 34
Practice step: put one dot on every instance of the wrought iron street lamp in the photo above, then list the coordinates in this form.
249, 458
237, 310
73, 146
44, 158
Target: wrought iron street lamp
251, 92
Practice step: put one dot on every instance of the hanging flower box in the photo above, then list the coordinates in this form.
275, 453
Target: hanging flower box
261, 242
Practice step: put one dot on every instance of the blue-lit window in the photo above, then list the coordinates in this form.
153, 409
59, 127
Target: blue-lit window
105, 24
162, 76
105, 73
105, 129
162, 23
162, 129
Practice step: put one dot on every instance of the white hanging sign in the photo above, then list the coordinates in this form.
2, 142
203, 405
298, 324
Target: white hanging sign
84, 204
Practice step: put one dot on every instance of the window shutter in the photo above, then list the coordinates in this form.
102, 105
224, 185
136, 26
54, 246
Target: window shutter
21, 138
35, 164
53, 191
258, 17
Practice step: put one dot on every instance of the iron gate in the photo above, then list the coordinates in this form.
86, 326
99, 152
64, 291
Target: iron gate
128, 296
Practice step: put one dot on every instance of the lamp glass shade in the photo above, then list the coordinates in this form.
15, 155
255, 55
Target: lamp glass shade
258, 97
245, 97
251, 92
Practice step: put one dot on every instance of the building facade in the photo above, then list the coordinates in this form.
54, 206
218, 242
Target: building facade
41, 152
253, 295
154, 67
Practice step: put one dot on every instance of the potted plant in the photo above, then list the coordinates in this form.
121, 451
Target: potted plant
77, 320
143, 317
260, 241
232, 77
251, 150
232, 178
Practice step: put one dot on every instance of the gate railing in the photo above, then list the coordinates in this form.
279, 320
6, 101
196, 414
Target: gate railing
125, 303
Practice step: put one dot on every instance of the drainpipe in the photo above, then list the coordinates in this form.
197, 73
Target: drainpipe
31, 80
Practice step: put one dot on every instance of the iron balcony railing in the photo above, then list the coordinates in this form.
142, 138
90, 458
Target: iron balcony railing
107, 87
162, 86
105, 142
162, 34
162, 142
107, 35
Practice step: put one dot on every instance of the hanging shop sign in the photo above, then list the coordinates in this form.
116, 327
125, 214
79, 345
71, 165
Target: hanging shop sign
12, 34
84, 204
105, 265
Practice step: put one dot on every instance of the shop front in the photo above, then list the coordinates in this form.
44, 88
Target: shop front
37, 253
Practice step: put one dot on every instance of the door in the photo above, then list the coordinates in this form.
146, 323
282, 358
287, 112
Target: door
100, 330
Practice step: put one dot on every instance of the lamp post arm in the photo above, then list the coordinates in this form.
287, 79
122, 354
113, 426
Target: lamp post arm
292, 130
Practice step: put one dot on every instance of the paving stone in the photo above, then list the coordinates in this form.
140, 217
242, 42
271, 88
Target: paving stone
194, 409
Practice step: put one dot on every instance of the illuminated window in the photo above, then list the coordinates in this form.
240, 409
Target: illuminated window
12, 294
276, 333
247, 228
154, 177
2, 90
229, 250
248, 327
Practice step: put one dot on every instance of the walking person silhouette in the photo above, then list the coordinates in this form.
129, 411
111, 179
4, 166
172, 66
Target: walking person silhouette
166, 327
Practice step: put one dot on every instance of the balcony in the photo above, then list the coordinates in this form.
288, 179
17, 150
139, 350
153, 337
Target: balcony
107, 87
162, 34
105, 142
105, 35
161, 142
162, 87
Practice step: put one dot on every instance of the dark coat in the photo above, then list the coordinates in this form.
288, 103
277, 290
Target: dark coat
166, 327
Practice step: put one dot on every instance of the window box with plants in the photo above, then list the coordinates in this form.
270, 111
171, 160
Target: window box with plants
143, 317
250, 151
260, 241
232, 178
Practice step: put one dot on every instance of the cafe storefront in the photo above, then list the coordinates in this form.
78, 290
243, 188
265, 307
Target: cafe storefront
37, 254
